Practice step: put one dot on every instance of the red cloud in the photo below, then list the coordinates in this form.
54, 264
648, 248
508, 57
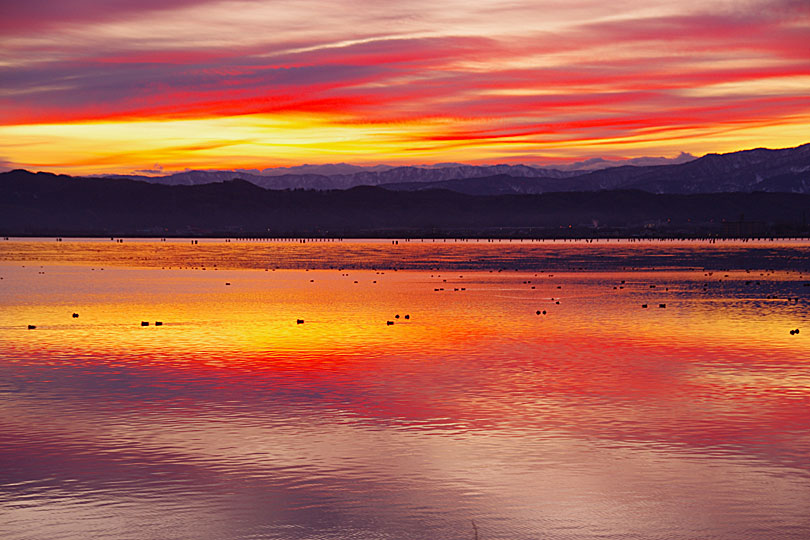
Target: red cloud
617, 79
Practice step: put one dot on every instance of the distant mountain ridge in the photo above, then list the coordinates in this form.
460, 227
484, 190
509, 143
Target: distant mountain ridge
366, 177
594, 164
777, 171
782, 170
760, 169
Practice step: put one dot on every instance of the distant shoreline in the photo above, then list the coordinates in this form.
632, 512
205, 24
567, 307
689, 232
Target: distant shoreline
409, 254
405, 239
49, 206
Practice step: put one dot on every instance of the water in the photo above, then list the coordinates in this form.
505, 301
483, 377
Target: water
598, 419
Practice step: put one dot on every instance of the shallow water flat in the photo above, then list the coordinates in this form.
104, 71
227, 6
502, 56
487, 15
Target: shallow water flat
596, 418
416, 254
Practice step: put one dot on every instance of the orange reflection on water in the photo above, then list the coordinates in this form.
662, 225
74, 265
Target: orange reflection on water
475, 402
477, 342
258, 311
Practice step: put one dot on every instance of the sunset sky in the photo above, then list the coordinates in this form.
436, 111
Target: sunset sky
98, 86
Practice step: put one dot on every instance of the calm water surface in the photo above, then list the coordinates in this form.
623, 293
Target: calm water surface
598, 419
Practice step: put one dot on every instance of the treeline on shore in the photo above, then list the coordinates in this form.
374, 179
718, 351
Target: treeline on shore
49, 205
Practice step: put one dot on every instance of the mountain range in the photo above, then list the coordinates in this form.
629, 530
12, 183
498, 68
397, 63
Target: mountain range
782, 170
364, 177
762, 191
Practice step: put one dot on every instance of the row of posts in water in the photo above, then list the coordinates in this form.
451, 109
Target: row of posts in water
710, 239
302, 240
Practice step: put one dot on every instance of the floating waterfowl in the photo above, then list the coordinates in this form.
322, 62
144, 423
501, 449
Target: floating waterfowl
31, 326
389, 323
75, 315
299, 321
158, 323
662, 305
144, 323
407, 316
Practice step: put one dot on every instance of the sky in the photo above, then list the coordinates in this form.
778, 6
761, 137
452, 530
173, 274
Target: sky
103, 86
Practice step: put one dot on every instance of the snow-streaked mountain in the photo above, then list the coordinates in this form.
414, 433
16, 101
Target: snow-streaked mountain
329, 169
595, 164
785, 170
365, 177
761, 169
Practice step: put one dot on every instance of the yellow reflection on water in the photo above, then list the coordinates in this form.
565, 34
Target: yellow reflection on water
249, 311
475, 399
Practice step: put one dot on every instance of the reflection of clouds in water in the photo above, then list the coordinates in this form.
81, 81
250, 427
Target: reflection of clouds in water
231, 420
366, 481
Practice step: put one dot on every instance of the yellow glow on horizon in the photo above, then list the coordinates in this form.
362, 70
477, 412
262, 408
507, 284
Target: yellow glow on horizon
260, 141
418, 82
254, 140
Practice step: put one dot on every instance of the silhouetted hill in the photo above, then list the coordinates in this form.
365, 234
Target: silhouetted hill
47, 204
501, 184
